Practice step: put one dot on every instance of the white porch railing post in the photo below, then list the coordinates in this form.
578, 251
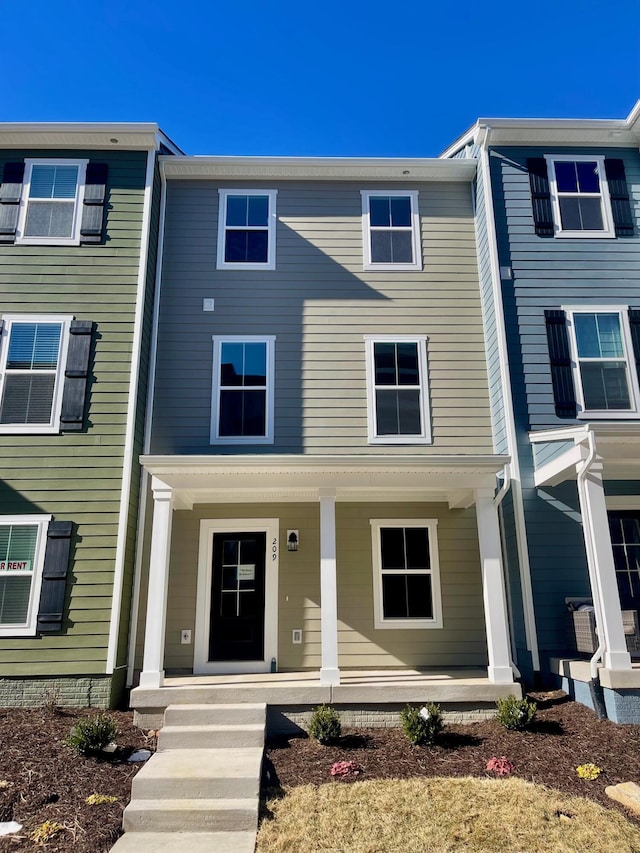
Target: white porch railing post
152, 674
493, 592
602, 573
329, 671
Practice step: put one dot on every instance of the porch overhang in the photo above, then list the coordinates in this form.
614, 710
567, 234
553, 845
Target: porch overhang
558, 454
453, 479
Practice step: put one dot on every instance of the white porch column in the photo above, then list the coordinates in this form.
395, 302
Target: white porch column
329, 672
152, 674
495, 602
602, 573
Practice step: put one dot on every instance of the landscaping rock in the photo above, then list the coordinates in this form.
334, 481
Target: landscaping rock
627, 794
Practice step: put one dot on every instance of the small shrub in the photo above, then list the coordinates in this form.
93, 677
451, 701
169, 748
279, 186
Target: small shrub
100, 799
345, 769
91, 734
325, 725
500, 766
421, 725
515, 714
46, 831
51, 699
588, 771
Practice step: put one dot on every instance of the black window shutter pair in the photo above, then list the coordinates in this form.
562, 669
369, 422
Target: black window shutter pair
564, 393
95, 194
541, 197
54, 576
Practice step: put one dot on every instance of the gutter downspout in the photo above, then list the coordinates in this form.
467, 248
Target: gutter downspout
144, 481
595, 688
502, 492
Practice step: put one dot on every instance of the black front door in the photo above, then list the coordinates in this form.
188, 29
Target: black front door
237, 597
625, 541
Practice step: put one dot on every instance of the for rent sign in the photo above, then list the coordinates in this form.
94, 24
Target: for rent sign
15, 565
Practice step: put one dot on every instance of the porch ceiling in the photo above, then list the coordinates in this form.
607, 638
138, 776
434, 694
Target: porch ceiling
617, 452
210, 479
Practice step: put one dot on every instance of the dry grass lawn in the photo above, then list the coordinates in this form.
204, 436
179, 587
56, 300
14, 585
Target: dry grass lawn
437, 815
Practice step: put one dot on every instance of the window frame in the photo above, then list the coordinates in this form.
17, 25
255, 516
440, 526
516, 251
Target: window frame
608, 230
28, 628
379, 620
425, 437
416, 241
74, 239
632, 379
270, 263
8, 321
268, 438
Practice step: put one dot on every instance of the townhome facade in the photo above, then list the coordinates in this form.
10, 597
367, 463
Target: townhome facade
319, 458
79, 209
557, 207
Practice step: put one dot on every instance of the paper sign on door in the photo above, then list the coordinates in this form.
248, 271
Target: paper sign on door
246, 573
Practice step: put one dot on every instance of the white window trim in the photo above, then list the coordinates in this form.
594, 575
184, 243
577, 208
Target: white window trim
28, 628
378, 617
608, 230
218, 340
270, 264
415, 230
627, 343
74, 240
425, 410
54, 424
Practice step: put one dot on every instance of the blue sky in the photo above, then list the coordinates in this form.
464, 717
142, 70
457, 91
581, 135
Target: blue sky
341, 77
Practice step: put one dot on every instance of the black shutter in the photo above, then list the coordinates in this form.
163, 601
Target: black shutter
76, 376
619, 195
95, 193
10, 193
560, 357
54, 576
540, 196
634, 325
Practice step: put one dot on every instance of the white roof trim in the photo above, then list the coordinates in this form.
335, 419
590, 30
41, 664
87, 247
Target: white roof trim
129, 135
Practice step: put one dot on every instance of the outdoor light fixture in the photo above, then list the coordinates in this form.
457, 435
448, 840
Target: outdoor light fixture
292, 540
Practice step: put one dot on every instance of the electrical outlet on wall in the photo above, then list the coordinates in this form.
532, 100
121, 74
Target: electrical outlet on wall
185, 636
296, 636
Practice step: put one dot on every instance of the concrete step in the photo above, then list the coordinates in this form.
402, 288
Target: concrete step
206, 715
211, 736
199, 774
191, 815
186, 842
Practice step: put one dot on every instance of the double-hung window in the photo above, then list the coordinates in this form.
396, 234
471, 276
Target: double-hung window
52, 199
247, 229
391, 230
242, 410
406, 578
602, 354
580, 196
398, 405
34, 350
22, 550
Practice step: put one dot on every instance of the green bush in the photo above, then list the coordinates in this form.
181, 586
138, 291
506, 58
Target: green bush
325, 725
422, 725
91, 734
515, 714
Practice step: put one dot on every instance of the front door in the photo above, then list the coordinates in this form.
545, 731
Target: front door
236, 630
625, 541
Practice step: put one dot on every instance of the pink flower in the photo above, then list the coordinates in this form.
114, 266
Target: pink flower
344, 769
500, 766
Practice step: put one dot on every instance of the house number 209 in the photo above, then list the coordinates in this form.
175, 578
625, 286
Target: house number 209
274, 549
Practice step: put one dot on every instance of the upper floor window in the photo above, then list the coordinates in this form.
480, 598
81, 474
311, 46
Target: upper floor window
605, 377
398, 406
31, 373
52, 202
406, 579
242, 410
247, 229
580, 196
391, 230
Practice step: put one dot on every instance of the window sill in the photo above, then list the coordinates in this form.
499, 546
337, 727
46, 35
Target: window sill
416, 267
29, 429
407, 441
585, 235
246, 266
611, 415
406, 624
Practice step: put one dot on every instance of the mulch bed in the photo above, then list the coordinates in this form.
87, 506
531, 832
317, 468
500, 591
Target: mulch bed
43, 779
563, 736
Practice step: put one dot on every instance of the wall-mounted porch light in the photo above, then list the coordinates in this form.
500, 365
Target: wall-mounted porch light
292, 540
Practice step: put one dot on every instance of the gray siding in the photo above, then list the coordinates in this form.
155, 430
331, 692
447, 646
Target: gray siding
319, 303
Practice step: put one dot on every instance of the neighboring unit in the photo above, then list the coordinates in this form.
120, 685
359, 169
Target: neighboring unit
320, 455
557, 210
78, 234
